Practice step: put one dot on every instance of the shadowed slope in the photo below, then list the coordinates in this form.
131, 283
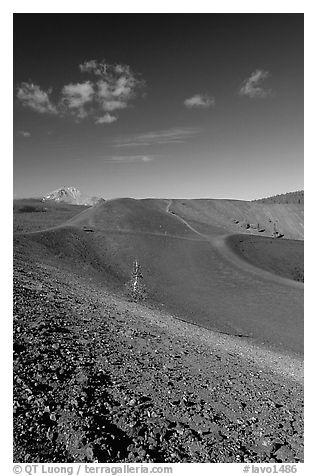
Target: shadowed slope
283, 257
188, 266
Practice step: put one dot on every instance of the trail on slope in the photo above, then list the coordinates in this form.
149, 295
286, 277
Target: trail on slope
262, 281
219, 243
196, 275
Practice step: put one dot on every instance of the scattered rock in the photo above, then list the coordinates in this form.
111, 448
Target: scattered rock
89, 388
284, 454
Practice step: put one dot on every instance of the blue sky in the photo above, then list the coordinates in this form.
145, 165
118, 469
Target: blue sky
145, 105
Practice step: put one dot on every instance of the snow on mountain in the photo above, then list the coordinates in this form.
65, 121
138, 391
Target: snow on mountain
70, 195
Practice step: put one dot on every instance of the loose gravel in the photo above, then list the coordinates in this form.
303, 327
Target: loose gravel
100, 379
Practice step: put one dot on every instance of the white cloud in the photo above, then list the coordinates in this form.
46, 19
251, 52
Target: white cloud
116, 87
111, 88
252, 86
32, 96
75, 98
106, 119
24, 134
202, 101
128, 159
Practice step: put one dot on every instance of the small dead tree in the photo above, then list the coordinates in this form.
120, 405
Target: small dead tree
136, 287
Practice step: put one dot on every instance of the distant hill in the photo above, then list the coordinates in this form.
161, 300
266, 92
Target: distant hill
290, 197
70, 195
244, 285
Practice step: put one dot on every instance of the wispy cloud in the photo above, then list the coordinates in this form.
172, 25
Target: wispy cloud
130, 159
24, 134
161, 137
200, 101
33, 97
252, 86
110, 88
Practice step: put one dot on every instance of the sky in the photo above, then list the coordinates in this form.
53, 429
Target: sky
158, 105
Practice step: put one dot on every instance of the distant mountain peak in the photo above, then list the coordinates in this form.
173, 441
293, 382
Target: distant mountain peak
70, 195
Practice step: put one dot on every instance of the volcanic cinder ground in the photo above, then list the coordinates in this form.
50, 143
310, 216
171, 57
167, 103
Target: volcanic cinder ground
208, 368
